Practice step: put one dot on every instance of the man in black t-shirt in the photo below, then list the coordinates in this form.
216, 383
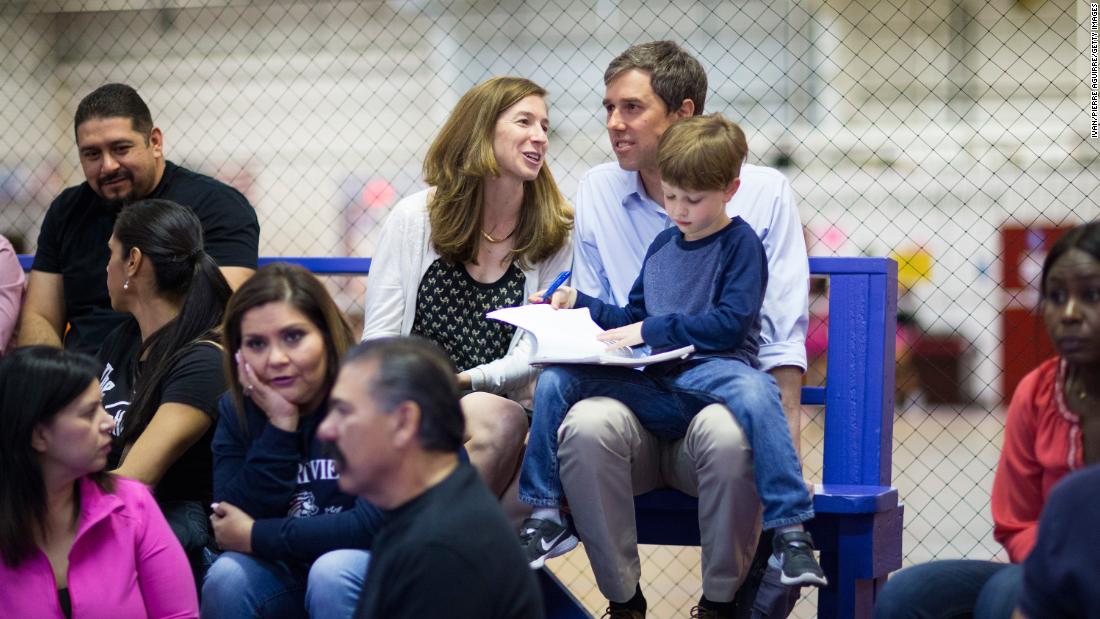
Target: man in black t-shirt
122, 156
445, 548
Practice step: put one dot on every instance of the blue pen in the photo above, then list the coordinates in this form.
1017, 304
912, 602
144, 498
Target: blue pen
564, 275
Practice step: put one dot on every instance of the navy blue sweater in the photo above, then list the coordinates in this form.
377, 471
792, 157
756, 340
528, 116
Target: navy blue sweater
1060, 572
705, 293
287, 482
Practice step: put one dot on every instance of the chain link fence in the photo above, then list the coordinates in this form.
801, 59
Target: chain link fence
953, 135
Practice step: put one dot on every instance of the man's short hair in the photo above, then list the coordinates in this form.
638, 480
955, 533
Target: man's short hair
414, 369
115, 101
702, 153
674, 74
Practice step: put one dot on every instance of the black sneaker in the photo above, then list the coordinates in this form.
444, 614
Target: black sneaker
793, 554
622, 613
543, 539
713, 610
634, 608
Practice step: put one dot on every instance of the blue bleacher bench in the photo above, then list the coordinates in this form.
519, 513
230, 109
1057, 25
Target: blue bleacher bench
858, 523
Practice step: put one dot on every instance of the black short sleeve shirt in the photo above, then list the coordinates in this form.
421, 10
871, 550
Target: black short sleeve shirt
195, 379
73, 243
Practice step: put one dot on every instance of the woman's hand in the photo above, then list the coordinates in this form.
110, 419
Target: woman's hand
232, 527
280, 412
630, 335
564, 298
465, 382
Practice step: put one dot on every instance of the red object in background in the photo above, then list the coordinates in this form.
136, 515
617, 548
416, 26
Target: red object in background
1024, 342
377, 193
938, 363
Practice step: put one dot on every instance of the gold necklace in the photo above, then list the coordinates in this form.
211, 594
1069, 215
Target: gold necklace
1082, 390
500, 240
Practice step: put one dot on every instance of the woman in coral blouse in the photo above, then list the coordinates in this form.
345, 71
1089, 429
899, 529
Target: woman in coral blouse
1052, 428
75, 541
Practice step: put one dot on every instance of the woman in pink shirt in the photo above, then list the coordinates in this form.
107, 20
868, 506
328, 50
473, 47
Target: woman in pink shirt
75, 541
12, 283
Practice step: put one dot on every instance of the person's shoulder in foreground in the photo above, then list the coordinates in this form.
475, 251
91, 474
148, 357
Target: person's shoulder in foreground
1061, 572
451, 552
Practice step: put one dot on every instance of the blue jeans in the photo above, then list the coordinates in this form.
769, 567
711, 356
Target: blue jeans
950, 589
665, 400
241, 586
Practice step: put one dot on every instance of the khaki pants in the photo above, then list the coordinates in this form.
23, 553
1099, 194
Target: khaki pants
607, 458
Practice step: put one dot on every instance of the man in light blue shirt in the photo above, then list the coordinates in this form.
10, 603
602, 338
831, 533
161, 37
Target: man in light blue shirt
615, 215
606, 456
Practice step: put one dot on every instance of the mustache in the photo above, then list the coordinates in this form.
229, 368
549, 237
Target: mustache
120, 175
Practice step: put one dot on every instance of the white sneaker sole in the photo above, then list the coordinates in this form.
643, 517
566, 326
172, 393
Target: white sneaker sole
802, 580
557, 550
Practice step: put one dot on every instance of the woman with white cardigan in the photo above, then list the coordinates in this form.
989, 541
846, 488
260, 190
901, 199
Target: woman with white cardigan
490, 231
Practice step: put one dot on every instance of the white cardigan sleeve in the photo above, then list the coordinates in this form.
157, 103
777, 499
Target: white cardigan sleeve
513, 371
393, 269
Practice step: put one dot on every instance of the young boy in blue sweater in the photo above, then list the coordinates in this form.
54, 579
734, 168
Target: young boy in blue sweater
702, 283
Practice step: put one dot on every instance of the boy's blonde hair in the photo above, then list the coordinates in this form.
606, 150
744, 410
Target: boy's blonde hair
702, 153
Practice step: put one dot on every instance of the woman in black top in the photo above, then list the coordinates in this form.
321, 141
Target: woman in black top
163, 373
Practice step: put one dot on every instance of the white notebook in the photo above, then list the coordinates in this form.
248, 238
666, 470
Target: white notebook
569, 336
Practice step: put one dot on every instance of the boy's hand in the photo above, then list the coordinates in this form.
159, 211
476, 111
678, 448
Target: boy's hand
564, 298
630, 335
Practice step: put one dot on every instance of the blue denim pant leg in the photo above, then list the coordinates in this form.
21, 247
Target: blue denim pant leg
335, 581
241, 586
662, 412
753, 398
946, 589
1001, 593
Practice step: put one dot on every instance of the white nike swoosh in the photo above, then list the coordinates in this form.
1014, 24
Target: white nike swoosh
545, 545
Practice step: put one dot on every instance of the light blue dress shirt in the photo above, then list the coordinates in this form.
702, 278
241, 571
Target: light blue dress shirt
616, 221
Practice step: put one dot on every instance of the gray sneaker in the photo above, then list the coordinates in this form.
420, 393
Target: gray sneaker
793, 554
543, 539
